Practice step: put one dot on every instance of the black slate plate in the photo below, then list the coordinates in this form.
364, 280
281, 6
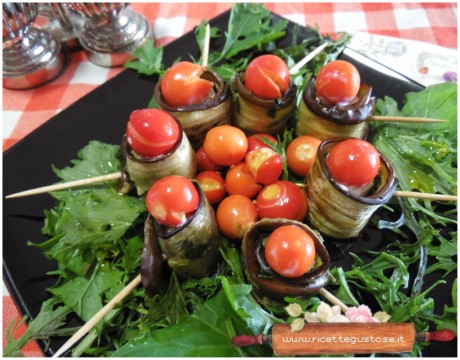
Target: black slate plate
102, 115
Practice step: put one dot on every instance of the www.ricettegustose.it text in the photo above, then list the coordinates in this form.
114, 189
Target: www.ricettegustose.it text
343, 339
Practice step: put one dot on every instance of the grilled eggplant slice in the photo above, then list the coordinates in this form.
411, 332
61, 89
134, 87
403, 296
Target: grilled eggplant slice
199, 118
326, 121
269, 288
339, 212
256, 115
143, 172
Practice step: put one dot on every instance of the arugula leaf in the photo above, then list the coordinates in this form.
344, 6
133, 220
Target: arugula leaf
51, 318
148, 59
207, 332
249, 27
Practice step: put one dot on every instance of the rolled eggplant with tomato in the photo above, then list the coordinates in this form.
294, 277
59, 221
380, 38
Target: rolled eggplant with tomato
284, 257
335, 103
155, 146
348, 182
263, 96
185, 225
197, 96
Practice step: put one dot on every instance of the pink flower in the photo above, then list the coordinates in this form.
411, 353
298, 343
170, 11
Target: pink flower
360, 314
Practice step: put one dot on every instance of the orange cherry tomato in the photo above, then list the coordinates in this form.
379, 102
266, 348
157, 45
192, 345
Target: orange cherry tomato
235, 214
301, 154
265, 164
203, 162
213, 185
255, 142
225, 145
353, 162
337, 82
181, 85
172, 199
152, 132
282, 199
268, 77
290, 251
240, 181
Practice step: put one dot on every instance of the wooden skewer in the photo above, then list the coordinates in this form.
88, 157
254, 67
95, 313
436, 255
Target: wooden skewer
333, 299
207, 36
306, 59
99, 315
419, 195
66, 185
406, 119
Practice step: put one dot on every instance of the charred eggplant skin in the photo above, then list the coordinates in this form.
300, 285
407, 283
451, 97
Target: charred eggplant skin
337, 212
197, 119
192, 249
325, 121
268, 284
143, 172
256, 115
151, 260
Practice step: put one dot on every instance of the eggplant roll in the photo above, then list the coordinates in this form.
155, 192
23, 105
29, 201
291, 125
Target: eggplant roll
192, 249
326, 121
336, 211
268, 286
143, 172
197, 119
256, 115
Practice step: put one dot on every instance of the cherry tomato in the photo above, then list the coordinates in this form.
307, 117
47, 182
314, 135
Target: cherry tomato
225, 145
254, 141
290, 251
235, 214
337, 82
203, 162
172, 199
265, 164
181, 85
353, 162
282, 199
152, 132
240, 181
301, 154
268, 77
213, 185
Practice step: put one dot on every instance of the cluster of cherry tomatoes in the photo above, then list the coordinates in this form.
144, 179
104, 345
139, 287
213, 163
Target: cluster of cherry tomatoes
239, 174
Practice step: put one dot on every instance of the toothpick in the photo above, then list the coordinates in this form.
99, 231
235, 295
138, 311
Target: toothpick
306, 59
207, 38
407, 119
99, 315
66, 185
427, 196
333, 299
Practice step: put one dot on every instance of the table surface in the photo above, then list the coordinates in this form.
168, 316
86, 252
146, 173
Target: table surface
375, 26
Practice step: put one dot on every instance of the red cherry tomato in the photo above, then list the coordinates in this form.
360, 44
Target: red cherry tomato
265, 164
181, 85
301, 154
203, 162
213, 185
152, 132
225, 145
255, 142
282, 199
240, 181
235, 214
290, 251
353, 162
268, 77
172, 199
337, 82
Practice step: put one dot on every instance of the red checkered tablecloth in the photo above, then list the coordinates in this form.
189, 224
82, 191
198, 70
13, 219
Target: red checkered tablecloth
23, 111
